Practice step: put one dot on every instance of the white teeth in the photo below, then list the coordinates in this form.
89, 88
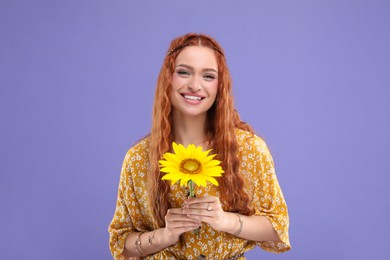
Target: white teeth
192, 97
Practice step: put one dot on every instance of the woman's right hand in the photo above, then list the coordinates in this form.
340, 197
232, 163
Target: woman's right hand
177, 223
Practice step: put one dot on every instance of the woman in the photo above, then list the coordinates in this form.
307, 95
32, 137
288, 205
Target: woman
154, 218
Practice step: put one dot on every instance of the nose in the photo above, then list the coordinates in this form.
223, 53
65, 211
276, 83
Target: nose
194, 85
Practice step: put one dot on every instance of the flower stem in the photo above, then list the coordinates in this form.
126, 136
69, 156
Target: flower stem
192, 195
191, 187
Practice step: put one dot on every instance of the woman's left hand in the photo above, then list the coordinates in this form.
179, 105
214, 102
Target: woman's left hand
208, 210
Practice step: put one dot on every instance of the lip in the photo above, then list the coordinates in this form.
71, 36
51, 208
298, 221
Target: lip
191, 94
192, 101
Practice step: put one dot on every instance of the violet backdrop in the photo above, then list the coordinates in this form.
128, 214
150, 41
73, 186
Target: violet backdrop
77, 82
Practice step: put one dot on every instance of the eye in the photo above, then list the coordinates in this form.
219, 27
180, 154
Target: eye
183, 73
209, 77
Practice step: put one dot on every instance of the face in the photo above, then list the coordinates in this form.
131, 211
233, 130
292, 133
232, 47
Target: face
194, 81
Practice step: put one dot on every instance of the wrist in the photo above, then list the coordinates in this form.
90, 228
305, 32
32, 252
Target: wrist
232, 224
238, 231
165, 238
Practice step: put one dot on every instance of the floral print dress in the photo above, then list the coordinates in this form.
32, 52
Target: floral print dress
133, 214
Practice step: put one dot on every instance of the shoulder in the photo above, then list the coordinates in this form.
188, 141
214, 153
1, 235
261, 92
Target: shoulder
247, 140
253, 148
140, 147
138, 153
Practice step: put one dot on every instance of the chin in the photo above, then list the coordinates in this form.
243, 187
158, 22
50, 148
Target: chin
193, 114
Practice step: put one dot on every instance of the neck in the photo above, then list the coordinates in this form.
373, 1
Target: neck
190, 130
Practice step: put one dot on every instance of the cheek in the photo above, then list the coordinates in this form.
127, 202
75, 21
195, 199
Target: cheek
177, 81
214, 89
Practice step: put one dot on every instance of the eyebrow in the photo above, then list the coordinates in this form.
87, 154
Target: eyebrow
191, 68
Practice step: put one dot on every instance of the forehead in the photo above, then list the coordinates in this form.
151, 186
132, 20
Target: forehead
197, 56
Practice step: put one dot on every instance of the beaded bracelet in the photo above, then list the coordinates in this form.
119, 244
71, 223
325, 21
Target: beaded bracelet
137, 244
241, 224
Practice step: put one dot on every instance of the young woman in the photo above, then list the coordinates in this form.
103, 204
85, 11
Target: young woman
155, 219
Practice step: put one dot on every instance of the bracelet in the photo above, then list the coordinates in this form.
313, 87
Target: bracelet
150, 238
137, 244
241, 224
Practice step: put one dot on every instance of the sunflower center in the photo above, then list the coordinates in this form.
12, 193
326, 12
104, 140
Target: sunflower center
190, 166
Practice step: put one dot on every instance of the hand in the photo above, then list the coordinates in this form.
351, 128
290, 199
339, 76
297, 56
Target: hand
208, 210
177, 222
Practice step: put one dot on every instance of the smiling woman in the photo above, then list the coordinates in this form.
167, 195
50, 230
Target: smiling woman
193, 107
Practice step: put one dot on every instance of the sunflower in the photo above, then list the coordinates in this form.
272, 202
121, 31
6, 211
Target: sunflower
190, 165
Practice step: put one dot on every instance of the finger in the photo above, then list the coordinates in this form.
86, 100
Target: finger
209, 206
180, 220
195, 200
175, 211
200, 218
197, 206
183, 224
184, 219
185, 229
198, 212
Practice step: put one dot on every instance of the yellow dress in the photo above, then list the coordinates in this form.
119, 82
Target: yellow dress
133, 214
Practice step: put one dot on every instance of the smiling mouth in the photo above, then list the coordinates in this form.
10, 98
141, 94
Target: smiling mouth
192, 97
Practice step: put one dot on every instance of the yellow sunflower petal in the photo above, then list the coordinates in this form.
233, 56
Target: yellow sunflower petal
201, 155
184, 180
177, 148
171, 177
191, 151
170, 169
167, 163
199, 151
211, 163
199, 180
207, 152
212, 173
208, 158
212, 180
171, 157
188, 151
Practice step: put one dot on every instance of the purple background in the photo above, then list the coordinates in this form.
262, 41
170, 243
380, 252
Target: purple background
77, 83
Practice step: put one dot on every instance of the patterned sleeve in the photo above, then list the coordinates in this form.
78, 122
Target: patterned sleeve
268, 198
121, 224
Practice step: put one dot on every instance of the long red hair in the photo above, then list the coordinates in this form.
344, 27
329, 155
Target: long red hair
222, 120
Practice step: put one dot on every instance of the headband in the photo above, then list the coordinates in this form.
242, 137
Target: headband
186, 43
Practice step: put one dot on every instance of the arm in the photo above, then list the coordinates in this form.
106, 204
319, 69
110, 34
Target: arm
209, 210
159, 242
269, 225
126, 222
154, 241
255, 228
